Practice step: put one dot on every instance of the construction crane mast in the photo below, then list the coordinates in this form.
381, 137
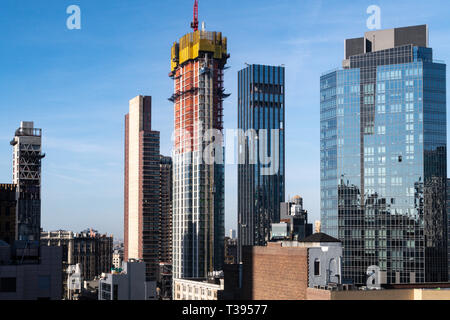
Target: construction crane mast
194, 24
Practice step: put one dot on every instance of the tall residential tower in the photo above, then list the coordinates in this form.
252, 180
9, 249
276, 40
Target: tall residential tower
384, 157
261, 115
197, 64
142, 187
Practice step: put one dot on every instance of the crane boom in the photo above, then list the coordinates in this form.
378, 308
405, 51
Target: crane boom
194, 24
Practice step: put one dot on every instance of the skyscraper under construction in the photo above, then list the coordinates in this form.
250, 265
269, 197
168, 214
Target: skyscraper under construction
197, 64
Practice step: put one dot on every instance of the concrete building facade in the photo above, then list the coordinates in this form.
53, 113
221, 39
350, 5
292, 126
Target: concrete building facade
117, 258
27, 156
129, 284
148, 193
8, 207
90, 249
30, 280
142, 187
285, 270
197, 289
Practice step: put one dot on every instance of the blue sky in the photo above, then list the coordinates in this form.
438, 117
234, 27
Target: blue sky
76, 84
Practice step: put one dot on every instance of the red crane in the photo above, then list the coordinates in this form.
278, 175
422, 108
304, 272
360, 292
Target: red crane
194, 24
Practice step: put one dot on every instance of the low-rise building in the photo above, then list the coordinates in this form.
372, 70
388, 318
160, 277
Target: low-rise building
221, 285
422, 291
28, 272
90, 290
8, 204
198, 289
285, 270
90, 249
74, 282
293, 221
164, 283
128, 284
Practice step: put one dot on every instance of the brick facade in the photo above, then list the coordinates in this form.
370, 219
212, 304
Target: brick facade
275, 273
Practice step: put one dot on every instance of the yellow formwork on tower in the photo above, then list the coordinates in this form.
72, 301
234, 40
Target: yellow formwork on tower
193, 43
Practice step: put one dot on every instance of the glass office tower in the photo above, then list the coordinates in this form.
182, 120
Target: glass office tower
383, 157
261, 106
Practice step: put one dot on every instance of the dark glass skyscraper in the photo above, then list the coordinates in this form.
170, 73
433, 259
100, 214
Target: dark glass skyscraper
383, 157
261, 106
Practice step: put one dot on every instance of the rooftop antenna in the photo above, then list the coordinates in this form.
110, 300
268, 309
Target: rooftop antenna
194, 24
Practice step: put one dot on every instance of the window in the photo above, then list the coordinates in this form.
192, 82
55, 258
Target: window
7, 284
381, 108
44, 282
115, 292
317, 267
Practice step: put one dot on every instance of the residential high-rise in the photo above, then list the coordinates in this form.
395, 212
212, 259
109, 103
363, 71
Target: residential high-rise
197, 64
261, 117
142, 187
27, 156
383, 157
166, 186
8, 206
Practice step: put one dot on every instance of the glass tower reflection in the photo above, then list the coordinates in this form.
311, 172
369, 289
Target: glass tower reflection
261, 106
383, 158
